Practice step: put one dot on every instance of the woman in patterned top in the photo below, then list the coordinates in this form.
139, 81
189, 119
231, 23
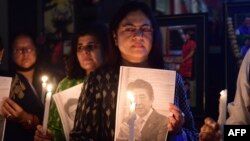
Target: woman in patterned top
89, 49
136, 42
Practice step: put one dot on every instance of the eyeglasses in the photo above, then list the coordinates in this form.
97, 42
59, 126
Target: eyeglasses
88, 48
132, 30
23, 50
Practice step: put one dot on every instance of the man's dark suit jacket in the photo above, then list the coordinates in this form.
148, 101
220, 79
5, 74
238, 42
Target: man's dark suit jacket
155, 128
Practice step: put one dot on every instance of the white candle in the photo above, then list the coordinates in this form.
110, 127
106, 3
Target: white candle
132, 117
47, 106
44, 85
222, 110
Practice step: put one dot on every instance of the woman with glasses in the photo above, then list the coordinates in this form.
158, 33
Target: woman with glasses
89, 48
136, 42
23, 109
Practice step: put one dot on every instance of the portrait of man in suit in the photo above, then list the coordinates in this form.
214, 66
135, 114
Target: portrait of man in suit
150, 125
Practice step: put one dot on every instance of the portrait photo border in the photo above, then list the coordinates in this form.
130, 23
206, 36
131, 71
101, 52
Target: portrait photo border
232, 10
200, 21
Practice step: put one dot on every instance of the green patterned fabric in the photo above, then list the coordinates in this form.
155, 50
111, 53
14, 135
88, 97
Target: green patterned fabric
54, 121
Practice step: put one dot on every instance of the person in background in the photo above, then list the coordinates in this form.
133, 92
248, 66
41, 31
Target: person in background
23, 109
57, 57
89, 47
245, 47
186, 66
244, 28
136, 42
238, 110
188, 50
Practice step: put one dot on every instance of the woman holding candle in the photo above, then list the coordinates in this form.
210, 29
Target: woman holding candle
89, 47
136, 42
238, 110
23, 109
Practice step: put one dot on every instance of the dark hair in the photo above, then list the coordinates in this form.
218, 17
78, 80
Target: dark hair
22, 35
190, 33
139, 83
97, 30
155, 56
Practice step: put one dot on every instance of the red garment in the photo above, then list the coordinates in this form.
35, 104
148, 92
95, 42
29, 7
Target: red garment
186, 67
57, 53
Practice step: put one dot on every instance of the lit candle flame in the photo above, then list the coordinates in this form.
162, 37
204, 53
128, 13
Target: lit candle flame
223, 92
44, 78
131, 96
44, 81
44, 85
132, 101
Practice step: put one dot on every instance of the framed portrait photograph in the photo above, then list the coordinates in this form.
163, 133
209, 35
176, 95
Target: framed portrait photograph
184, 50
143, 103
237, 40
